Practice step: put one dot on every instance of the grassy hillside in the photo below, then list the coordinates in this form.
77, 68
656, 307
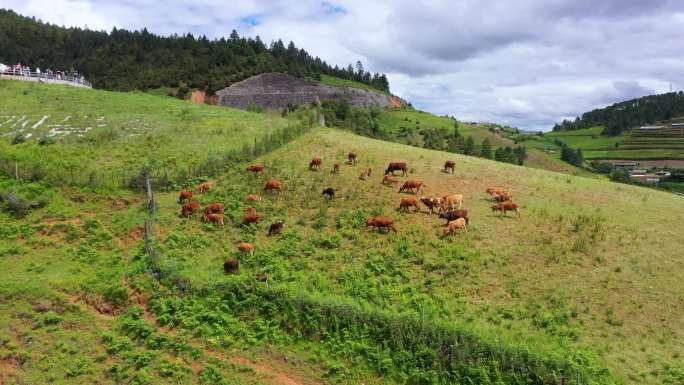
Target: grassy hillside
114, 134
339, 82
632, 145
585, 279
591, 264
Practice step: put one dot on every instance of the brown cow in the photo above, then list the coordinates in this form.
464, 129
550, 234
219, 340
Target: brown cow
449, 165
204, 187
397, 166
190, 209
455, 225
389, 180
276, 228
455, 214
184, 196
352, 158
261, 277
505, 207
252, 198
256, 168
251, 218
246, 247
273, 185
433, 204
407, 203
216, 219
336, 168
502, 197
410, 185
214, 208
250, 211
380, 222
452, 202
495, 190
315, 163
231, 266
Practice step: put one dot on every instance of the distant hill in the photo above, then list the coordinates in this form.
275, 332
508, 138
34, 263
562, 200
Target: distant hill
127, 60
629, 114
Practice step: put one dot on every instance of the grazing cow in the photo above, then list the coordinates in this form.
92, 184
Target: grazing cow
397, 166
502, 197
231, 266
352, 158
389, 180
433, 204
495, 190
184, 196
250, 211
256, 168
380, 222
505, 207
252, 198
454, 215
190, 208
204, 187
251, 218
315, 163
276, 228
261, 277
410, 185
407, 203
216, 219
330, 192
454, 226
273, 185
449, 165
214, 208
452, 202
336, 168
246, 247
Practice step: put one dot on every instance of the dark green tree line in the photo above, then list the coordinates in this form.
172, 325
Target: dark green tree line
128, 60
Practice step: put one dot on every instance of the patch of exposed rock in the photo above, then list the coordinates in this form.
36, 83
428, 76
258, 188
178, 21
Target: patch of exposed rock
275, 90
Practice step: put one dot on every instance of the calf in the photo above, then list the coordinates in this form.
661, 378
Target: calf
204, 187
454, 226
315, 163
184, 196
190, 209
330, 192
251, 218
410, 185
352, 158
380, 222
452, 202
449, 165
397, 166
407, 203
231, 266
252, 198
216, 219
433, 204
276, 228
256, 168
336, 168
389, 180
505, 207
455, 214
246, 247
273, 185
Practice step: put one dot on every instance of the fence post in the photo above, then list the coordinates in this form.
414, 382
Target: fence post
16, 170
151, 205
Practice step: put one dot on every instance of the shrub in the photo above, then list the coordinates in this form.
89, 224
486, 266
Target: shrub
47, 140
19, 139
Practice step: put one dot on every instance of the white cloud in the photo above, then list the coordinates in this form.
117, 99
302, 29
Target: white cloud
526, 63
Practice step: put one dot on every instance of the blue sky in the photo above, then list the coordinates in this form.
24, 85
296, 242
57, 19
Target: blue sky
519, 62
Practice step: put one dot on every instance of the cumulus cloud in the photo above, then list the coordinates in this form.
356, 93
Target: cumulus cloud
528, 63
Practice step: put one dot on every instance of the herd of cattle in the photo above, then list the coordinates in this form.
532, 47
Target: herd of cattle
448, 207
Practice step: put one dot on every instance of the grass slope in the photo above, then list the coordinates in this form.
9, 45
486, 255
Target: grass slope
578, 269
136, 129
338, 82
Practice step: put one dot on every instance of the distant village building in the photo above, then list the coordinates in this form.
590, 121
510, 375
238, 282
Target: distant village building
651, 128
625, 164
